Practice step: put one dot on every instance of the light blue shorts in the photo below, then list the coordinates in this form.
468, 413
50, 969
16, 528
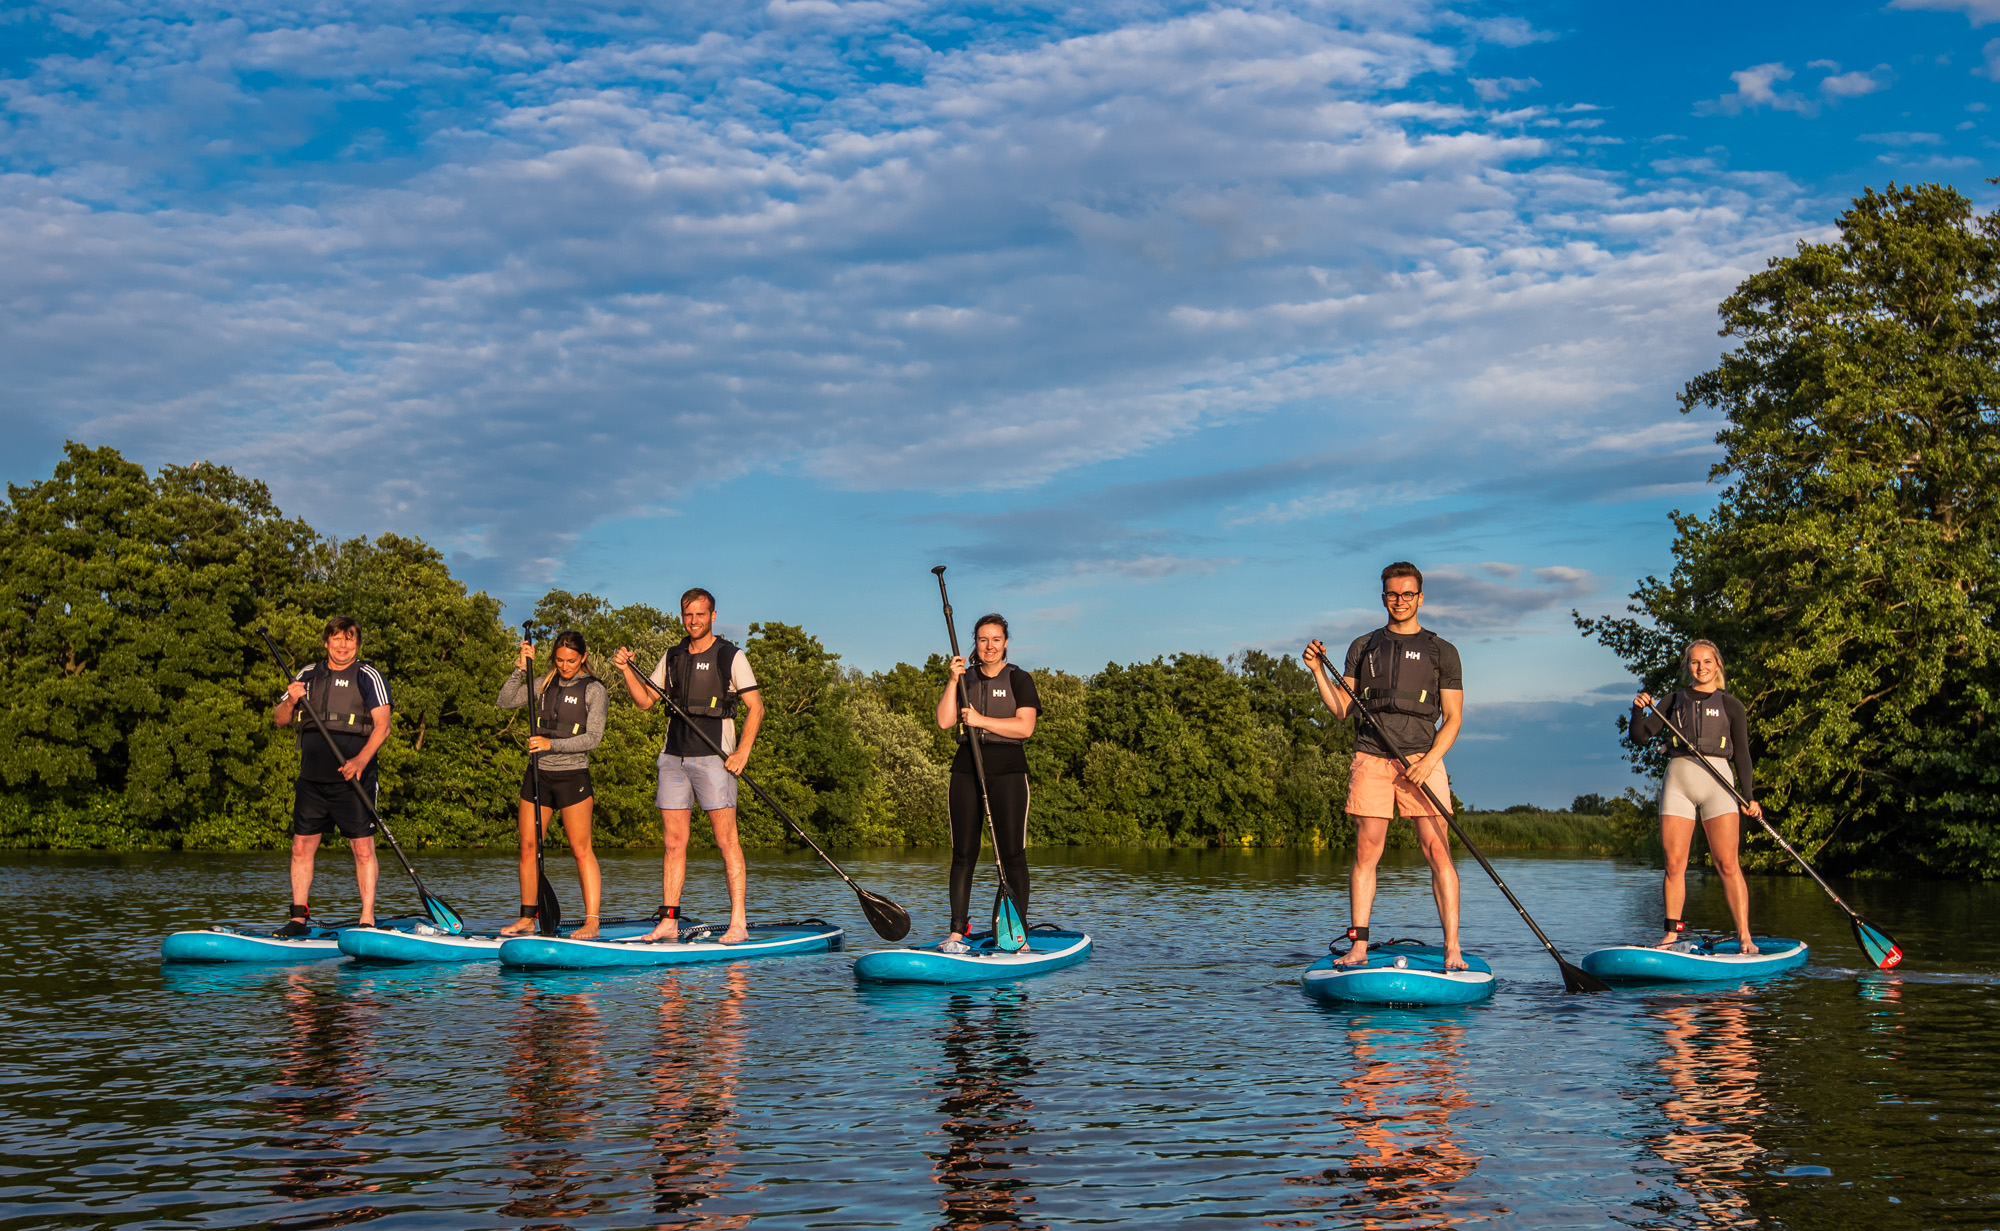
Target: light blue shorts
686, 781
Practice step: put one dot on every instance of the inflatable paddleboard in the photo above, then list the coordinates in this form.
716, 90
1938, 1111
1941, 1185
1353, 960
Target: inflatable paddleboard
1694, 961
1399, 974
425, 943
227, 943
700, 945
1048, 949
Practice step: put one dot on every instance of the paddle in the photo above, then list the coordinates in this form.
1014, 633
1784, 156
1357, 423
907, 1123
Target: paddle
1009, 935
1880, 948
434, 906
1575, 978
890, 921
548, 910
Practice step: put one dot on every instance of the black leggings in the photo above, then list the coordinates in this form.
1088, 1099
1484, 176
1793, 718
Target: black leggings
968, 828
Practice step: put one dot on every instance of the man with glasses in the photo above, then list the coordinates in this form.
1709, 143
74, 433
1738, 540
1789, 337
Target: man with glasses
1409, 679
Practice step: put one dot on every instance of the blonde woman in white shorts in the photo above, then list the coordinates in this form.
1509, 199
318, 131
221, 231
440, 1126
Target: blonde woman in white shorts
1715, 722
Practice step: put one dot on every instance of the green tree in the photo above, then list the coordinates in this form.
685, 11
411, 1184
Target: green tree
1851, 569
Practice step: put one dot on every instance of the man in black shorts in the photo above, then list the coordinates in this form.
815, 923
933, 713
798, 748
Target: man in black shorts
352, 700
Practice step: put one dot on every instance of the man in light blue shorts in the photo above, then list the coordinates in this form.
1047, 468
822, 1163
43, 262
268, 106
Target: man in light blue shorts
706, 676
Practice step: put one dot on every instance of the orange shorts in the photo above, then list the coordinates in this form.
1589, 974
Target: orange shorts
1376, 785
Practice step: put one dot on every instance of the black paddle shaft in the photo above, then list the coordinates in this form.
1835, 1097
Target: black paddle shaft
360, 794
548, 909
885, 915
1745, 805
972, 739
1575, 978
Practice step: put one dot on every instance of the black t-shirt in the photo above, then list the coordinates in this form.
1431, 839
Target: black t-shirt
998, 696
316, 764
1413, 735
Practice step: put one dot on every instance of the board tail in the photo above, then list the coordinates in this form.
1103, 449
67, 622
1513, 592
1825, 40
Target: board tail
1880, 947
1010, 935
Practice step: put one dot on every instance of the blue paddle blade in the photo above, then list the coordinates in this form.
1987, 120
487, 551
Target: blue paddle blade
1880, 947
444, 916
1010, 935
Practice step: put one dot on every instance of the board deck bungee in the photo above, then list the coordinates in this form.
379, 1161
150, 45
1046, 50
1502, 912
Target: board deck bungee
766, 940
1701, 961
1397, 973
1047, 949
228, 943
428, 944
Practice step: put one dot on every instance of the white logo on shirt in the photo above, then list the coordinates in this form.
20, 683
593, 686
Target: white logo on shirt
569, 700
1712, 713
1416, 654
999, 692
342, 684
701, 666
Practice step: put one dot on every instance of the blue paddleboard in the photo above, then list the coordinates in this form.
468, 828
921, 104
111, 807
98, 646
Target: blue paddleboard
700, 945
225, 943
1399, 974
1048, 949
425, 943
1694, 961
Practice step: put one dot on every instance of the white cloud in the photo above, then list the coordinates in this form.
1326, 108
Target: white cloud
1990, 69
1756, 86
1493, 89
1978, 12
1855, 85
1901, 138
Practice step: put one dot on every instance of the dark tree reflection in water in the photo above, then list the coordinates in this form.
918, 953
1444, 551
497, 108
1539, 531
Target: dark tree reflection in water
987, 1048
1401, 1155
694, 1072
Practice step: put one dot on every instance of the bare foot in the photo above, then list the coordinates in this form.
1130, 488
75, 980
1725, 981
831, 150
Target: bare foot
520, 927
365, 923
666, 929
1355, 956
736, 935
1748, 946
1669, 940
587, 932
1454, 960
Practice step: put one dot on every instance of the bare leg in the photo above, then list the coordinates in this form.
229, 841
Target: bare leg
1676, 837
673, 868
733, 870
576, 825
366, 871
304, 846
1722, 836
526, 923
1371, 834
1435, 839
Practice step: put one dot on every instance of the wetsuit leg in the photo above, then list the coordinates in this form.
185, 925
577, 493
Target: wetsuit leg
1010, 825
968, 827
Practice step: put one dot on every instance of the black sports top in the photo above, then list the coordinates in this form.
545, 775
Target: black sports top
1715, 721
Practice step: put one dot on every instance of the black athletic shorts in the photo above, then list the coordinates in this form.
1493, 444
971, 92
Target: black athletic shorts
559, 790
321, 807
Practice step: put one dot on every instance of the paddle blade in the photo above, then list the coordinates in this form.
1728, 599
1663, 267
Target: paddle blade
443, 916
890, 921
1880, 947
1010, 935
1577, 979
548, 911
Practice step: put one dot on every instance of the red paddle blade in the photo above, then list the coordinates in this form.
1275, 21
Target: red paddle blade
1880, 947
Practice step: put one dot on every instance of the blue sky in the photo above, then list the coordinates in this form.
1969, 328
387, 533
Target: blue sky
1164, 325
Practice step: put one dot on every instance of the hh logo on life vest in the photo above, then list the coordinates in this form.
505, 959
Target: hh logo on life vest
569, 700
1416, 654
1711, 713
342, 684
701, 666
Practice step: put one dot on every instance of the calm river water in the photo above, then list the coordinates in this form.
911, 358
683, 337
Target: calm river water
1177, 1079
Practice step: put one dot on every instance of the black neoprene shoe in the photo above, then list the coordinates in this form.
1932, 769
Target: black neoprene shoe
297, 927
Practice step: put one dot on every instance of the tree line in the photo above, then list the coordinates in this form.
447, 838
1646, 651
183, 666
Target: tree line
138, 697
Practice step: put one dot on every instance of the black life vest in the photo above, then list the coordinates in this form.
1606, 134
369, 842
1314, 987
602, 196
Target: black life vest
565, 708
336, 697
1704, 720
1400, 675
700, 682
994, 698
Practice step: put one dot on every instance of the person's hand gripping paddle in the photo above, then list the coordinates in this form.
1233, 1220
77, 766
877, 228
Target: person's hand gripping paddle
440, 914
1879, 947
548, 910
1010, 934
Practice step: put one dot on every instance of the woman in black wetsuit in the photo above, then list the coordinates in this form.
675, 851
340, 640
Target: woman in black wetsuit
1002, 715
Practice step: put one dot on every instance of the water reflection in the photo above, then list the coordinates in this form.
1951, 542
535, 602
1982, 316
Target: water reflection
1396, 1109
987, 1044
326, 1072
1712, 1103
695, 1072
552, 1078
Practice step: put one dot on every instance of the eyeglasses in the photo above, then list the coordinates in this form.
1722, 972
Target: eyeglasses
1401, 596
